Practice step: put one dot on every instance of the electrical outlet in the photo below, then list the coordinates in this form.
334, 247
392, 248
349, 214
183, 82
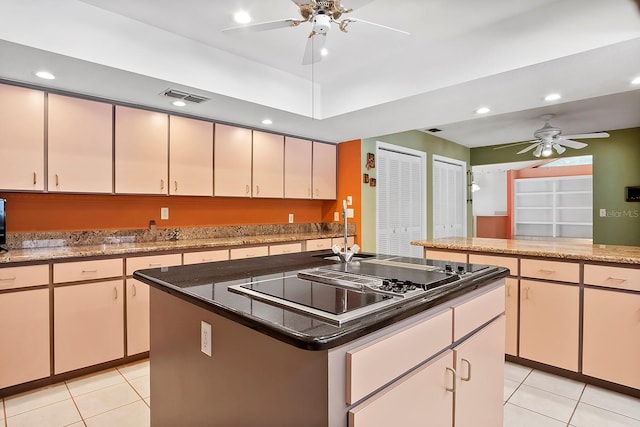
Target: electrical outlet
164, 213
350, 213
349, 200
603, 212
336, 216
290, 218
205, 338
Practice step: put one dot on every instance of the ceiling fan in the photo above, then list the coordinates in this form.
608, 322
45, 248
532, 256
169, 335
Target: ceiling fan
549, 138
321, 14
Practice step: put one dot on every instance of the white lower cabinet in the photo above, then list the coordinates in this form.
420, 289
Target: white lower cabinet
137, 317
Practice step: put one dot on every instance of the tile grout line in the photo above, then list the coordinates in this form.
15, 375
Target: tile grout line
577, 403
131, 385
4, 413
74, 403
121, 406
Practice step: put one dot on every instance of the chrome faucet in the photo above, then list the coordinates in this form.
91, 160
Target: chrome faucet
348, 254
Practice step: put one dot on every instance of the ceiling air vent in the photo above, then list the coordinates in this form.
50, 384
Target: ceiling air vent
172, 93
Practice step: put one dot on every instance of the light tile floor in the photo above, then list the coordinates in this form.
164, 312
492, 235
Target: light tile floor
120, 397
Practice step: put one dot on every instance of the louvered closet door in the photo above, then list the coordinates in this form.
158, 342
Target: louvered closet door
400, 195
449, 199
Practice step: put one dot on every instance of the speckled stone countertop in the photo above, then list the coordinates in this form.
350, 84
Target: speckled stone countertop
39, 247
565, 249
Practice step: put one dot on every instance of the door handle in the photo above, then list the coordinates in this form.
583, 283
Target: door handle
35, 176
162, 184
468, 378
452, 389
115, 293
175, 185
133, 287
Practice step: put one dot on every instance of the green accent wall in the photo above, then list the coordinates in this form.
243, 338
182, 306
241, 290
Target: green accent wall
616, 165
416, 140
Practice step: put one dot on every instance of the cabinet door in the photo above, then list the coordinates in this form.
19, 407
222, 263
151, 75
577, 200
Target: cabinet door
297, 168
141, 151
324, 171
549, 323
21, 138
191, 157
24, 336
137, 317
88, 325
421, 398
480, 377
268, 165
511, 312
80, 145
232, 161
611, 336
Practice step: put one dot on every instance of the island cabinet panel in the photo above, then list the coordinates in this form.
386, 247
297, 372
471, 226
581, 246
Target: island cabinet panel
511, 316
22, 277
476, 312
24, 336
205, 256
87, 270
549, 318
88, 324
480, 378
297, 168
268, 165
550, 270
21, 138
232, 161
612, 277
506, 262
445, 255
80, 145
366, 367
324, 171
424, 397
141, 151
611, 336
137, 317
191, 157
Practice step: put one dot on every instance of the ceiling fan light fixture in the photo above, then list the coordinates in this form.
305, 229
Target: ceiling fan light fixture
546, 150
538, 151
324, 51
242, 17
559, 148
483, 110
636, 81
552, 97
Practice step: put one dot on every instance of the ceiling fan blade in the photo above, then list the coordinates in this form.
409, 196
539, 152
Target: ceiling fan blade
569, 143
586, 135
264, 26
531, 147
513, 145
379, 25
313, 51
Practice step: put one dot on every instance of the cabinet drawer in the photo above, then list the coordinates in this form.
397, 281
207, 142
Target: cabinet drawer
256, 251
446, 256
550, 270
368, 366
153, 261
317, 244
206, 256
86, 270
474, 313
21, 277
612, 277
287, 248
351, 240
500, 261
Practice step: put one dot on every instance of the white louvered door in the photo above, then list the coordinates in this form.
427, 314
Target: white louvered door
400, 202
449, 198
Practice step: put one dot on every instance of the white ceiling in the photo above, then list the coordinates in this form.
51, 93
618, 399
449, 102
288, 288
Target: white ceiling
460, 55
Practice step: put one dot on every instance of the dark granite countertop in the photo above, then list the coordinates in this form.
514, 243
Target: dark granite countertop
205, 285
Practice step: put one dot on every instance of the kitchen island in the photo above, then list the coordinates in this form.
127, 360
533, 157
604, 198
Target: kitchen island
222, 356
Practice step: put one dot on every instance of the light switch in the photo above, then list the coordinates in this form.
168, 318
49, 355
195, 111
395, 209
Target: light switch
164, 213
350, 213
336, 216
290, 218
349, 200
603, 212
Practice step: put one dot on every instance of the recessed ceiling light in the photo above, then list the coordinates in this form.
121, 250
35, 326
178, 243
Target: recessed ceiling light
242, 17
179, 103
267, 122
483, 110
552, 97
324, 51
636, 81
45, 75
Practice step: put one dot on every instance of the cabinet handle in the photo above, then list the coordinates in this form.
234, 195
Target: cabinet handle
317, 192
526, 293
7, 279
35, 176
468, 378
546, 271
246, 189
57, 181
257, 190
207, 259
162, 184
175, 185
508, 290
95, 270
155, 264
452, 389
133, 287
615, 279
115, 293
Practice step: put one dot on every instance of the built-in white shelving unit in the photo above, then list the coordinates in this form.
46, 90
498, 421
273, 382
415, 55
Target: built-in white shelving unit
554, 207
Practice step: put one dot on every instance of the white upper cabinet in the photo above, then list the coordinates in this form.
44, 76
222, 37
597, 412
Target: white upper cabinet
324, 171
80, 145
141, 151
297, 168
21, 138
191, 157
232, 161
268, 165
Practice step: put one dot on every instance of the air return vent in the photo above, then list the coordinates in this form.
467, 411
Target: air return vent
172, 93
